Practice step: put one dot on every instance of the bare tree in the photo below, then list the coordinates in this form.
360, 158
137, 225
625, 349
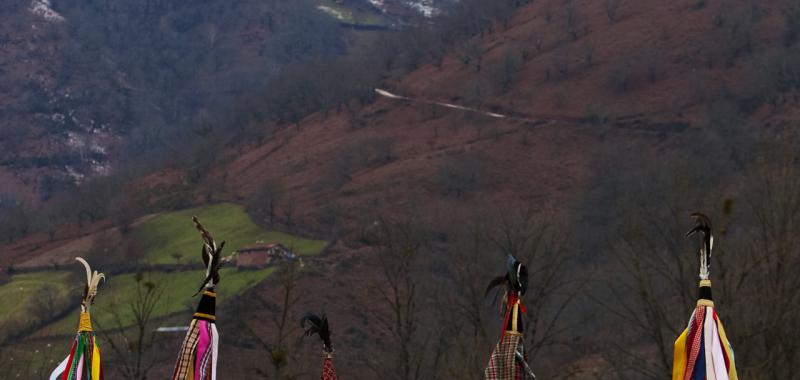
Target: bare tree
654, 287
464, 313
573, 21
398, 252
761, 275
506, 69
461, 174
471, 54
288, 210
279, 344
132, 337
652, 290
536, 239
16, 218
612, 10
124, 209
265, 201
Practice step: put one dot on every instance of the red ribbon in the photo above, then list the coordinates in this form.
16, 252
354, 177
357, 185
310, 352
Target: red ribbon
513, 299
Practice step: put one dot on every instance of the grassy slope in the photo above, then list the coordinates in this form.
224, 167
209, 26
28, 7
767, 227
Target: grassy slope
111, 304
169, 234
24, 287
28, 295
158, 239
114, 301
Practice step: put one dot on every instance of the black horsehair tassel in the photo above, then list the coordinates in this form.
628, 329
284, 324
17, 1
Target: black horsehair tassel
318, 325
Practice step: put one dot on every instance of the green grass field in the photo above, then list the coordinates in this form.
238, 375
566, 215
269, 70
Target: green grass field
159, 239
171, 238
23, 288
25, 300
113, 306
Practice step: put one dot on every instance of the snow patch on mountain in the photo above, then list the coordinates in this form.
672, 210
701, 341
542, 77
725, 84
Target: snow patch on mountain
77, 177
75, 141
44, 9
333, 12
378, 4
100, 168
425, 7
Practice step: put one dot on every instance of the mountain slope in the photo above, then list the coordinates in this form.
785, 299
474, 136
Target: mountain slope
638, 80
89, 87
592, 92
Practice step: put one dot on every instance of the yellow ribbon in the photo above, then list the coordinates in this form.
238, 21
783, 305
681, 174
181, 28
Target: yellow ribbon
206, 316
679, 357
709, 303
96, 362
514, 316
726, 345
86, 322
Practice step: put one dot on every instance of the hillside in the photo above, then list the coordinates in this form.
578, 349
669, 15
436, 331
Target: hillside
568, 98
597, 108
142, 250
88, 87
576, 135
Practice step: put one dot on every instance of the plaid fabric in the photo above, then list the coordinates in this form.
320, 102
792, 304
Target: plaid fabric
696, 335
328, 372
503, 364
184, 368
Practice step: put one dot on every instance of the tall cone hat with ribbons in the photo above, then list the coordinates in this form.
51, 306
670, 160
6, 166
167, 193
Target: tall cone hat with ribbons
702, 351
83, 361
508, 358
198, 357
319, 325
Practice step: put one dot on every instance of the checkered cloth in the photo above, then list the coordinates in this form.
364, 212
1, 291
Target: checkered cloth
503, 364
197, 360
328, 373
184, 368
697, 338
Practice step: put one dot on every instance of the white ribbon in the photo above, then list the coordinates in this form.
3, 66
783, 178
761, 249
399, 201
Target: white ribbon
60, 369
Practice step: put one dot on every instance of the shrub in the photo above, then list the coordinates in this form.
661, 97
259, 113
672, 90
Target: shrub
505, 71
791, 32
460, 174
612, 10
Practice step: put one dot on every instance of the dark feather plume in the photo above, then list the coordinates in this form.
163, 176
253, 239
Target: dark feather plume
317, 325
703, 226
497, 281
515, 279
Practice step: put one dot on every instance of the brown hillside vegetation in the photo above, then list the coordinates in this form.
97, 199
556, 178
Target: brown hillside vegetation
622, 117
640, 88
650, 80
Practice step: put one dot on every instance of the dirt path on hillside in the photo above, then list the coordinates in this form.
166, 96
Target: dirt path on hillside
624, 122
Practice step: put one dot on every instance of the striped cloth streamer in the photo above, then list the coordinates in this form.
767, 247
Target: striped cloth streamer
198, 356
702, 351
83, 361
